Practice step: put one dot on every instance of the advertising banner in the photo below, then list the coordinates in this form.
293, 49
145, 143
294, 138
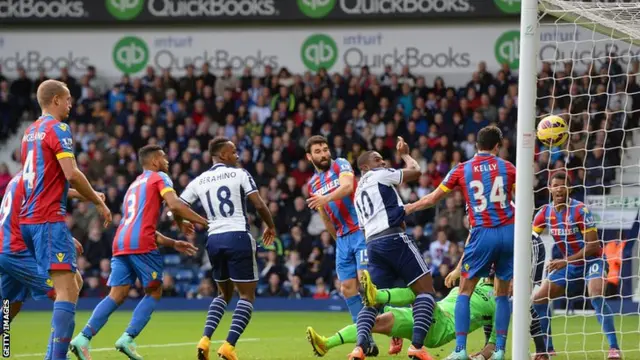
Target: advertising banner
451, 51
614, 212
188, 11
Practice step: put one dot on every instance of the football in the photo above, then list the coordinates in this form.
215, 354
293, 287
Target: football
553, 131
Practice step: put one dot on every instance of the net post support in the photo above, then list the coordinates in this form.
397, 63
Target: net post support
525, 144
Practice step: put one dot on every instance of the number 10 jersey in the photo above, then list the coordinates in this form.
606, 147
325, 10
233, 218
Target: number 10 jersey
378, 205
222, 191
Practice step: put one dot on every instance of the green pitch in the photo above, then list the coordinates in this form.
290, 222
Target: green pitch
273, 335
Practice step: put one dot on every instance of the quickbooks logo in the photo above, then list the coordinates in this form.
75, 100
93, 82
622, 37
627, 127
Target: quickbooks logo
124, 9
508, 6
319, 51
316, 8
130, 55
507, 49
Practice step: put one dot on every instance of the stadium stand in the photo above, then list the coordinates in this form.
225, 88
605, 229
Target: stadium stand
269, 117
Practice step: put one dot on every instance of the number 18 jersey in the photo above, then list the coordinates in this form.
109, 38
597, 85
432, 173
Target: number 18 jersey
222, 191
378, 205
487, 182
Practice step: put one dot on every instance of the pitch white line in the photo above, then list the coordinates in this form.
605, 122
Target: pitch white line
143, 346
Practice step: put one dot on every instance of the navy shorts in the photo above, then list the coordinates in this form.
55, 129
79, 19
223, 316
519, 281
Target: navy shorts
538, 257
489, 247
19, 277
147, 267
394, 257
51, 244
233, 256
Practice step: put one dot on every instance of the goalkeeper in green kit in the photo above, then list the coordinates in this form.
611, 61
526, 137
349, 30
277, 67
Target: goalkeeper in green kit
398, 321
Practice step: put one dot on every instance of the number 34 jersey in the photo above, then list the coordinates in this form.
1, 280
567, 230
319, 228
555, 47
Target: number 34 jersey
222, 191
487, 182
378, 205
141, 207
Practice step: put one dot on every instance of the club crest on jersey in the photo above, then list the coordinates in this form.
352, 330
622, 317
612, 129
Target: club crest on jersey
49, 283
60, 257
154, 275
327, 187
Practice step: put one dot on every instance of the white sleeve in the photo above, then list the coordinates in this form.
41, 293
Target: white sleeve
189, 195
389, 176
248, 185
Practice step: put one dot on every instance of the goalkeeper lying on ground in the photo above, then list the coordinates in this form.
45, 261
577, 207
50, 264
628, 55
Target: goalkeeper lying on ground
398, 322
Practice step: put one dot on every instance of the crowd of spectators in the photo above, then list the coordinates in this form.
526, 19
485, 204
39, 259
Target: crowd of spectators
270, 116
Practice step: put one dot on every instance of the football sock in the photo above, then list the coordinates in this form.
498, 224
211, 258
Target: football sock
395, 297
422, 317
141, 315
240, 320
215, 313
99, 317
462, 320
63, 326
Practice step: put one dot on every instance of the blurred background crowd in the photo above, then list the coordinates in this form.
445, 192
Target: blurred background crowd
270, 115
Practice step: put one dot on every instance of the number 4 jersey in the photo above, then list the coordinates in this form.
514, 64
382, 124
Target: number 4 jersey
487, 182
136, 233
45, 187
222, 191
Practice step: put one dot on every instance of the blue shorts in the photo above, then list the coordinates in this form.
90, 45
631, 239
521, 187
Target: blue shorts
19, 277
395, 257
351, 255
233, 256
147, 267
52, 245
487, 248
572, 277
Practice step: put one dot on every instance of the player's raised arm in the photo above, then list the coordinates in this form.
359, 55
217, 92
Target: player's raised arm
430, 200
346, 188
63, 148
181, 210
412, 170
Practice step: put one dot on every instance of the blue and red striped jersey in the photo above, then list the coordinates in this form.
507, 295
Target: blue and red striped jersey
342, 212
45, 187
11, 240
487, 182
567, 227
136, 233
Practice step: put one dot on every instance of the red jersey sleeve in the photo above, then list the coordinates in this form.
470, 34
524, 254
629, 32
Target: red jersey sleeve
511, 175
540, 220
452, 179
62, 141
163, 183
586, 224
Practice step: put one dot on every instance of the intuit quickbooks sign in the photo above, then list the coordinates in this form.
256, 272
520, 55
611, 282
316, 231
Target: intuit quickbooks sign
378, 49
189, 11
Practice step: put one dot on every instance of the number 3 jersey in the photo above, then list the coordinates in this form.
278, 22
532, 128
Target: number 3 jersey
378, 205
141, 207
222, 191
487, 182
45, 187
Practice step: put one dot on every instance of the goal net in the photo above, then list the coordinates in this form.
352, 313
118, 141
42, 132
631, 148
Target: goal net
588, 72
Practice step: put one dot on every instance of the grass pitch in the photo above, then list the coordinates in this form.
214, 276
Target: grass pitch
281, 336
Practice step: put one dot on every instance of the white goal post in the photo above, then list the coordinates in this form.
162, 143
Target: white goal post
601, 30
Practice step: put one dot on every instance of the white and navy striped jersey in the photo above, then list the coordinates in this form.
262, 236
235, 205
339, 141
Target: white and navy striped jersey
378, 205
222, 191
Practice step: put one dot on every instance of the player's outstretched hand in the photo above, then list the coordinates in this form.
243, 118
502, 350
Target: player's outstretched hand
186, 227
450, 280
402, 147
79, 247
185, 247
486, 353
316, 201
268, 236
409, 209
101, 196
106, 214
